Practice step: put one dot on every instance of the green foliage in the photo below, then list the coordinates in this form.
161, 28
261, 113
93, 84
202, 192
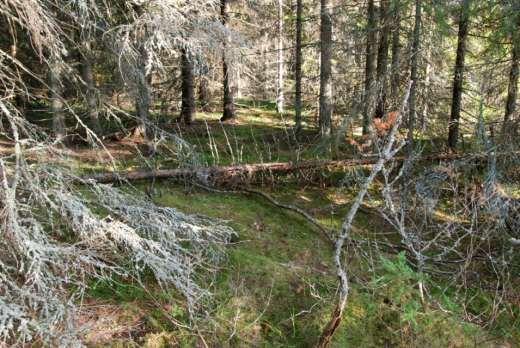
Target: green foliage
276, 290
117, 290
391, 313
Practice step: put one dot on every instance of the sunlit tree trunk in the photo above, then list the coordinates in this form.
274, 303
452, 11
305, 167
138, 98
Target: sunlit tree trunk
426, 90
229, 107
458, 80
188, 88
264, 52
298, 67
90, 92
280, 63
204, 94
370, 67
326, 69
382, 58
143, 81
510, 124
414, 74
143, 101
56, 99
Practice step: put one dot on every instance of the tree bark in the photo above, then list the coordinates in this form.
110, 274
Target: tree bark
325, 120
458, 80
229, 106
298, 67
56, 99
264, 77
280, 62
188, 88
510, 125
222, 175
426, 90
396, 52
370, 66
143, 101
204, 94
414, 74
238, 174
90, 90
143, 80
382, 58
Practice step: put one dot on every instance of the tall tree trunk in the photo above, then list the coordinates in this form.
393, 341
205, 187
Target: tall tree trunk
458, 80
298, 66
280, 63
204, 94
426, 90
414, 74
326, 69
396, 52
510, 124
143, 80
19, 98
143, 100
382, 58
370, 68
264, 78
188, 88
55, 85
90, 92
229, 107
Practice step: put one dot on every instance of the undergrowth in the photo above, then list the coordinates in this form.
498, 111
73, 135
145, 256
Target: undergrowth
276, 287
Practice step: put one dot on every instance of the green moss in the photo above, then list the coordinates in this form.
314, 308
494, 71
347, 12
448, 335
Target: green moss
118, 290
277, 286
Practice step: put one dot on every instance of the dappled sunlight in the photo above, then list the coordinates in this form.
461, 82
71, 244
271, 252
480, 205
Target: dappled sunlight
219, 173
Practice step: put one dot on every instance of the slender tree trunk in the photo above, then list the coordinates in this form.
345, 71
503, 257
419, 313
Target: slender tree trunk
143, 101
229, 107
19, 99
382, 58
13, 48
510, 124
280, 63
143, 80
298, 67
90, 92
414, 74
188, 88
204, 94
458, 80
266, 95
426, 89
55, 85
370, 68
326, 69
396, 52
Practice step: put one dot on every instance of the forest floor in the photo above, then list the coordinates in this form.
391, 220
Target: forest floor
277, 285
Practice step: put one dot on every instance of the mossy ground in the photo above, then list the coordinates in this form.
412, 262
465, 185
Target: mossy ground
276, 287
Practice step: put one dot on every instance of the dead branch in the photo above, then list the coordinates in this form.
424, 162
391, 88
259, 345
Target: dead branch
327, 233
390, 148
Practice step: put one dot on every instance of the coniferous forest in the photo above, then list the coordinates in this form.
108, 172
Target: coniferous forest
261, 173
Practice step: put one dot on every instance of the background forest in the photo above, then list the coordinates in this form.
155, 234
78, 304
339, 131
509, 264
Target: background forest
236, 173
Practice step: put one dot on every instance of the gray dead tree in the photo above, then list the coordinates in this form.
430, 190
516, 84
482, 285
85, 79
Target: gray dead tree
55, 237
388, 149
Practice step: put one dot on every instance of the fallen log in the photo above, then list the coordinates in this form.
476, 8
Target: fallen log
236, 174
225, 174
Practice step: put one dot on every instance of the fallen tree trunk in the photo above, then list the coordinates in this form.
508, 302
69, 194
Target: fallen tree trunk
236, 174
226, 174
